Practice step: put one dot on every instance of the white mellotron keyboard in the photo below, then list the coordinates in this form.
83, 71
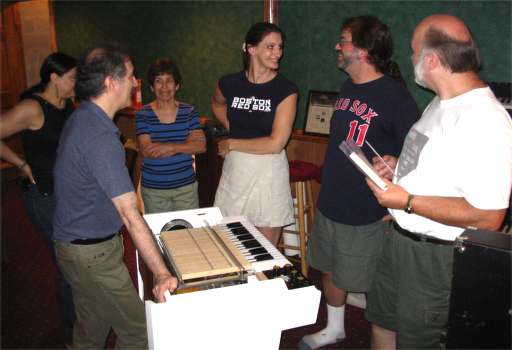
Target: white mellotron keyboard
249, 315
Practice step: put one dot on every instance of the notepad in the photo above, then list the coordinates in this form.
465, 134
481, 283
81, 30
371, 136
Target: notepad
354, 153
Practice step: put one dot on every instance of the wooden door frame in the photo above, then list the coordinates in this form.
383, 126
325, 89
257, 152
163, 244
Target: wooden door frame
270, 11
53, 32
11, 28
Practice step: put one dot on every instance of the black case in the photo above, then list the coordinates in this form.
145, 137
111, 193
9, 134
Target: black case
480, 310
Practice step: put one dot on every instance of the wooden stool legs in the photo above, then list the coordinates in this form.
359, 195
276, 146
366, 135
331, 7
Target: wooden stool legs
305, 208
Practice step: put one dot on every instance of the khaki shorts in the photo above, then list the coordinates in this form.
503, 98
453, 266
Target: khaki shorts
181, 198
350, 253
411, 291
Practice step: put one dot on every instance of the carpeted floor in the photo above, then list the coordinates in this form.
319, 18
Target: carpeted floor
29, 318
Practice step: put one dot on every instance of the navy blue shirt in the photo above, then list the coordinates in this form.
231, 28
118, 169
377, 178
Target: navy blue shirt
252, 107
89, 172
381, 112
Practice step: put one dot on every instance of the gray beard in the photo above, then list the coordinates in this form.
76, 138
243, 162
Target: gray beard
345, 63
419, 74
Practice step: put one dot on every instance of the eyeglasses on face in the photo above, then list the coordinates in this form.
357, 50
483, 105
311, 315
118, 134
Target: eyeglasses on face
344, 42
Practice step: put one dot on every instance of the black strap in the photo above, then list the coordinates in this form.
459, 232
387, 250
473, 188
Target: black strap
89, 241
419, 237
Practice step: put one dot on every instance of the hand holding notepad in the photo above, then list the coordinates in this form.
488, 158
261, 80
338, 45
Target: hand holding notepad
354, 153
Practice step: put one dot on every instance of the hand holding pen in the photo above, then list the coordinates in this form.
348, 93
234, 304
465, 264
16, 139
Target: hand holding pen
385, 165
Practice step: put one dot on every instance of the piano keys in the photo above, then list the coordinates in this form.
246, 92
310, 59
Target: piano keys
257, 249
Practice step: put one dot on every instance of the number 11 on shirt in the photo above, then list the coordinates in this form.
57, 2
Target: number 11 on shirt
362, 129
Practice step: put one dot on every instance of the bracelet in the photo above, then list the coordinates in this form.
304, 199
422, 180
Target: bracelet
408, 205
24, 164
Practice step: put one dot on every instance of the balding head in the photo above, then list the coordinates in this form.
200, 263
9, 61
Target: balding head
452, 26
95, 65
451, 39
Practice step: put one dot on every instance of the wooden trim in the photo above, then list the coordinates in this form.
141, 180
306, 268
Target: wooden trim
270, 11
299, 135
11, 28
53, 33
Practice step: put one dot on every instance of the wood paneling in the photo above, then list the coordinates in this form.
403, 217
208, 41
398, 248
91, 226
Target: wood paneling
13, 80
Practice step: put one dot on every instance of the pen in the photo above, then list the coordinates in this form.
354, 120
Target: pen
378, 155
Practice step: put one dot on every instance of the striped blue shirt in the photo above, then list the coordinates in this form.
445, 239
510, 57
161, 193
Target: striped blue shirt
174, 171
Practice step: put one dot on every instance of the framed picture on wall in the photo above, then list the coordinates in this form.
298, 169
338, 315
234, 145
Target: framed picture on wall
319, 112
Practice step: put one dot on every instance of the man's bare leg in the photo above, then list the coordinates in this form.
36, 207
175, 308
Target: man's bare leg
382, 338
271, 233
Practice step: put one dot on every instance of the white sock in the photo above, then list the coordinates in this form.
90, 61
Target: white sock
333, 332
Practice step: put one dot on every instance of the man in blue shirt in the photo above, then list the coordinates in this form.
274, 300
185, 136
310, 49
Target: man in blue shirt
95, 196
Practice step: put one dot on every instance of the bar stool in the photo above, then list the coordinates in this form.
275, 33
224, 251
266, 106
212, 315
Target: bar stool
301, 176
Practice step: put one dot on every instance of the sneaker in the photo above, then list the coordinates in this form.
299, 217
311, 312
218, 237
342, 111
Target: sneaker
319, 339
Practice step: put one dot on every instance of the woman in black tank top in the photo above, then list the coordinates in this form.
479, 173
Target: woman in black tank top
40, 117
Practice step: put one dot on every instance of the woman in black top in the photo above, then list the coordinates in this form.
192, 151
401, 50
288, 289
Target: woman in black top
257, 106
40, 117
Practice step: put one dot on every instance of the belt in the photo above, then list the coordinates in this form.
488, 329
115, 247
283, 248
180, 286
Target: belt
419, 237
89, 241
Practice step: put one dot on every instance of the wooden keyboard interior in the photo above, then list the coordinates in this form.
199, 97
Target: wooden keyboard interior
202, 253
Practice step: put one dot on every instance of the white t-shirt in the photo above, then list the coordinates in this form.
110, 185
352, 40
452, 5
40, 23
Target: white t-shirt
461, 147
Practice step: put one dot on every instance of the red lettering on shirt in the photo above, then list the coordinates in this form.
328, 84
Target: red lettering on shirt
355, 104
368, 116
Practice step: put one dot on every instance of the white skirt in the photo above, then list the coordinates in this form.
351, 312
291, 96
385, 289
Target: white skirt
257, 187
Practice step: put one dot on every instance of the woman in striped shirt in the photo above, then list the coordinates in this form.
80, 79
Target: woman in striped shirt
169, 134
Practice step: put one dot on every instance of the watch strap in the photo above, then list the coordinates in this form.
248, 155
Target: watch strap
408, 205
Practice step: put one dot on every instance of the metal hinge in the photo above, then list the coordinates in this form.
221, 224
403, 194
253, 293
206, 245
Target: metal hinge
459, 243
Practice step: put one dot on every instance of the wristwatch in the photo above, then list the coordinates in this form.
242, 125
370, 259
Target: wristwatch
408, 205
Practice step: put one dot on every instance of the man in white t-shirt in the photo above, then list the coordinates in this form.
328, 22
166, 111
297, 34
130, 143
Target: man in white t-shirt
454, 172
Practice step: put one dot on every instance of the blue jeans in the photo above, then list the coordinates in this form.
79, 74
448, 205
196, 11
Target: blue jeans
40, 208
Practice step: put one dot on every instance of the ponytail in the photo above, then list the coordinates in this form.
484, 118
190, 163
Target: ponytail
34, 89
393, 70
58, 63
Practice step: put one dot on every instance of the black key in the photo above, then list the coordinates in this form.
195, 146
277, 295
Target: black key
257, 251
245, 237
251, 243
239, 231
234, 224
263, 257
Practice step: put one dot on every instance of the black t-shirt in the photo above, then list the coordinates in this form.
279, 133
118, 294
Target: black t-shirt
252, 107
382, 112
40, 146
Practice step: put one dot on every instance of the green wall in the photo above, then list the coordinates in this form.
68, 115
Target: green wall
313, 28
203, 37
